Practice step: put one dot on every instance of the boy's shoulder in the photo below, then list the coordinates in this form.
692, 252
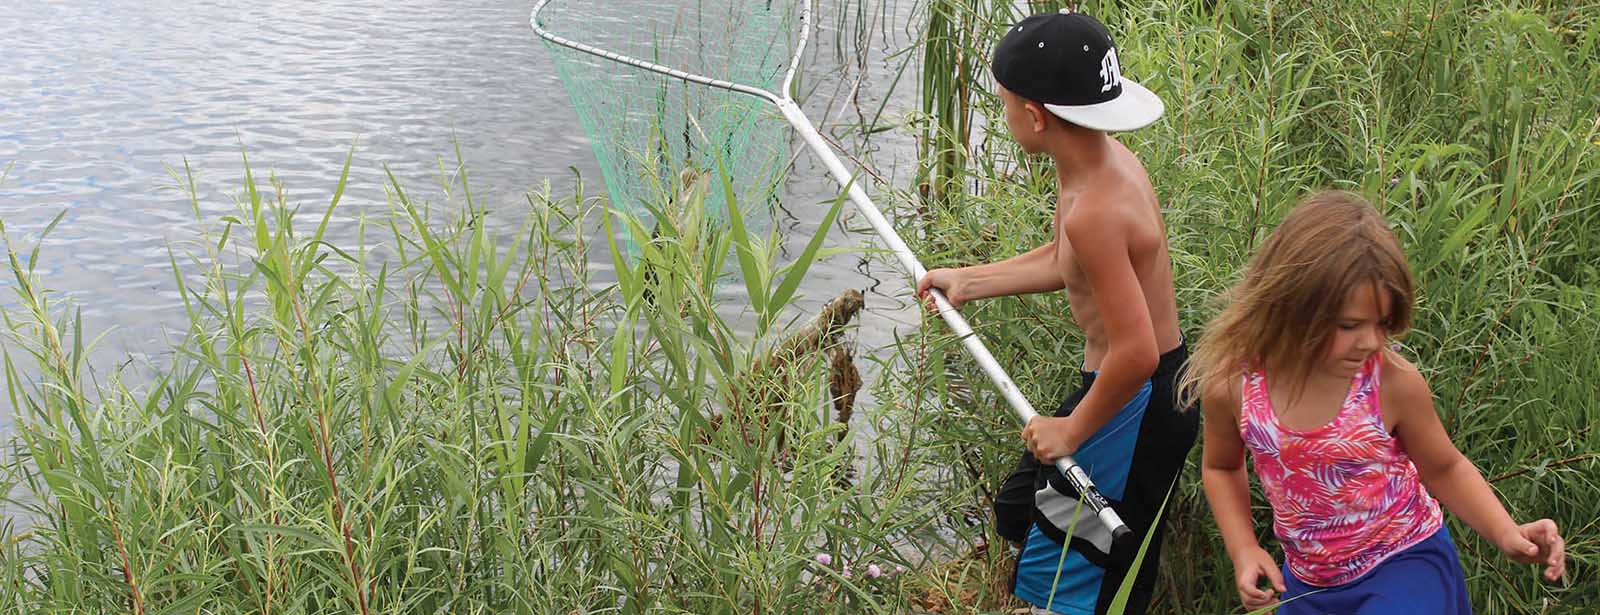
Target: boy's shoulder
1094, 216
1117, 202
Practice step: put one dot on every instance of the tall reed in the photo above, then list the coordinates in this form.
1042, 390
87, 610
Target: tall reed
445, 420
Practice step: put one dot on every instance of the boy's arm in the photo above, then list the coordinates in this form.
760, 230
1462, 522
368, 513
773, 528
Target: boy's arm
1227, 486
1033, 271
1458, 484
1100, 245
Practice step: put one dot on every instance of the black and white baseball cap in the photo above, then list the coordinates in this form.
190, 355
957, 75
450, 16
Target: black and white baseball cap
1067, 62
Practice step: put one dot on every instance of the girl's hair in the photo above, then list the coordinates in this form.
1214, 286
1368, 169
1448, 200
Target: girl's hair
1282, 314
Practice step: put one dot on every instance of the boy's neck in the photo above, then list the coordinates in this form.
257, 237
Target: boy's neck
1077, 152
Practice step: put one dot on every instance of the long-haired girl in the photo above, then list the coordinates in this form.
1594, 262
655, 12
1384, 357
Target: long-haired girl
1297, 369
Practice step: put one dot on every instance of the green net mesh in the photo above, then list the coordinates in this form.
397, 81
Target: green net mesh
658, 137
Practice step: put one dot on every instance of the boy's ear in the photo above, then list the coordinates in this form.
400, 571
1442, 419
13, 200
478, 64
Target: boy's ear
1038, 115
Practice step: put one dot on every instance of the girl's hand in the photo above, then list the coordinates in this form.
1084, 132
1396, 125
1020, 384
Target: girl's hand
1538, 543
953, 282
1249, 569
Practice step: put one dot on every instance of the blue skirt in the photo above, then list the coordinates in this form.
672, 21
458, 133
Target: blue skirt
1424, 579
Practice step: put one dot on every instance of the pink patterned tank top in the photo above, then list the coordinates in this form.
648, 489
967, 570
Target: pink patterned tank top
1345, 496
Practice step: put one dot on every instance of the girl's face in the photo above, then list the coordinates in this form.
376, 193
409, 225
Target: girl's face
1360, 329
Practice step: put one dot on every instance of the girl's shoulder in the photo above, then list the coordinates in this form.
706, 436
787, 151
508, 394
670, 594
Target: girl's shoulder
1225, 393
1398, 371
1402, 386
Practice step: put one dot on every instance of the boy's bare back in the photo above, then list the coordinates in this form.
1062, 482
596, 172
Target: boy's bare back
1114, 207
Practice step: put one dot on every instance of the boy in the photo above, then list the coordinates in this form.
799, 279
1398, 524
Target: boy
1060, 83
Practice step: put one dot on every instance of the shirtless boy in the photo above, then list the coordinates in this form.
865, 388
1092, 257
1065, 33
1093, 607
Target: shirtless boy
1063, 92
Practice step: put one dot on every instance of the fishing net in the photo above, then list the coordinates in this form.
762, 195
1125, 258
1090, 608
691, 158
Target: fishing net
677, 96
659, 137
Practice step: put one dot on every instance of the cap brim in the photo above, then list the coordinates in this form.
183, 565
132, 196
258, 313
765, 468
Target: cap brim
1135, 108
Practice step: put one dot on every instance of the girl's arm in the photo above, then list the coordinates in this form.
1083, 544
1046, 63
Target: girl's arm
1458, 484
1228, 491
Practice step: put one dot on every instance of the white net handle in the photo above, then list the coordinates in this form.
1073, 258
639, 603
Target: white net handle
808, 133
788, 76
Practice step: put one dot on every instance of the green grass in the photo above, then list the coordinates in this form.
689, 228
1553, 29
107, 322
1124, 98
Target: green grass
467, 425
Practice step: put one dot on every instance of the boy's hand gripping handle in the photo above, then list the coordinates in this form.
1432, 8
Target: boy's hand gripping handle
1068, 467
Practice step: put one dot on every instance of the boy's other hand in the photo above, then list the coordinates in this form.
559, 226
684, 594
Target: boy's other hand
1249, 569
1538, 542
952, 282
1050, 438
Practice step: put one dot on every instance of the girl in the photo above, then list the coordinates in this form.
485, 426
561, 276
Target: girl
1342, 430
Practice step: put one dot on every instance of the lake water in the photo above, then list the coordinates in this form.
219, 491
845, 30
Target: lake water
98, 99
